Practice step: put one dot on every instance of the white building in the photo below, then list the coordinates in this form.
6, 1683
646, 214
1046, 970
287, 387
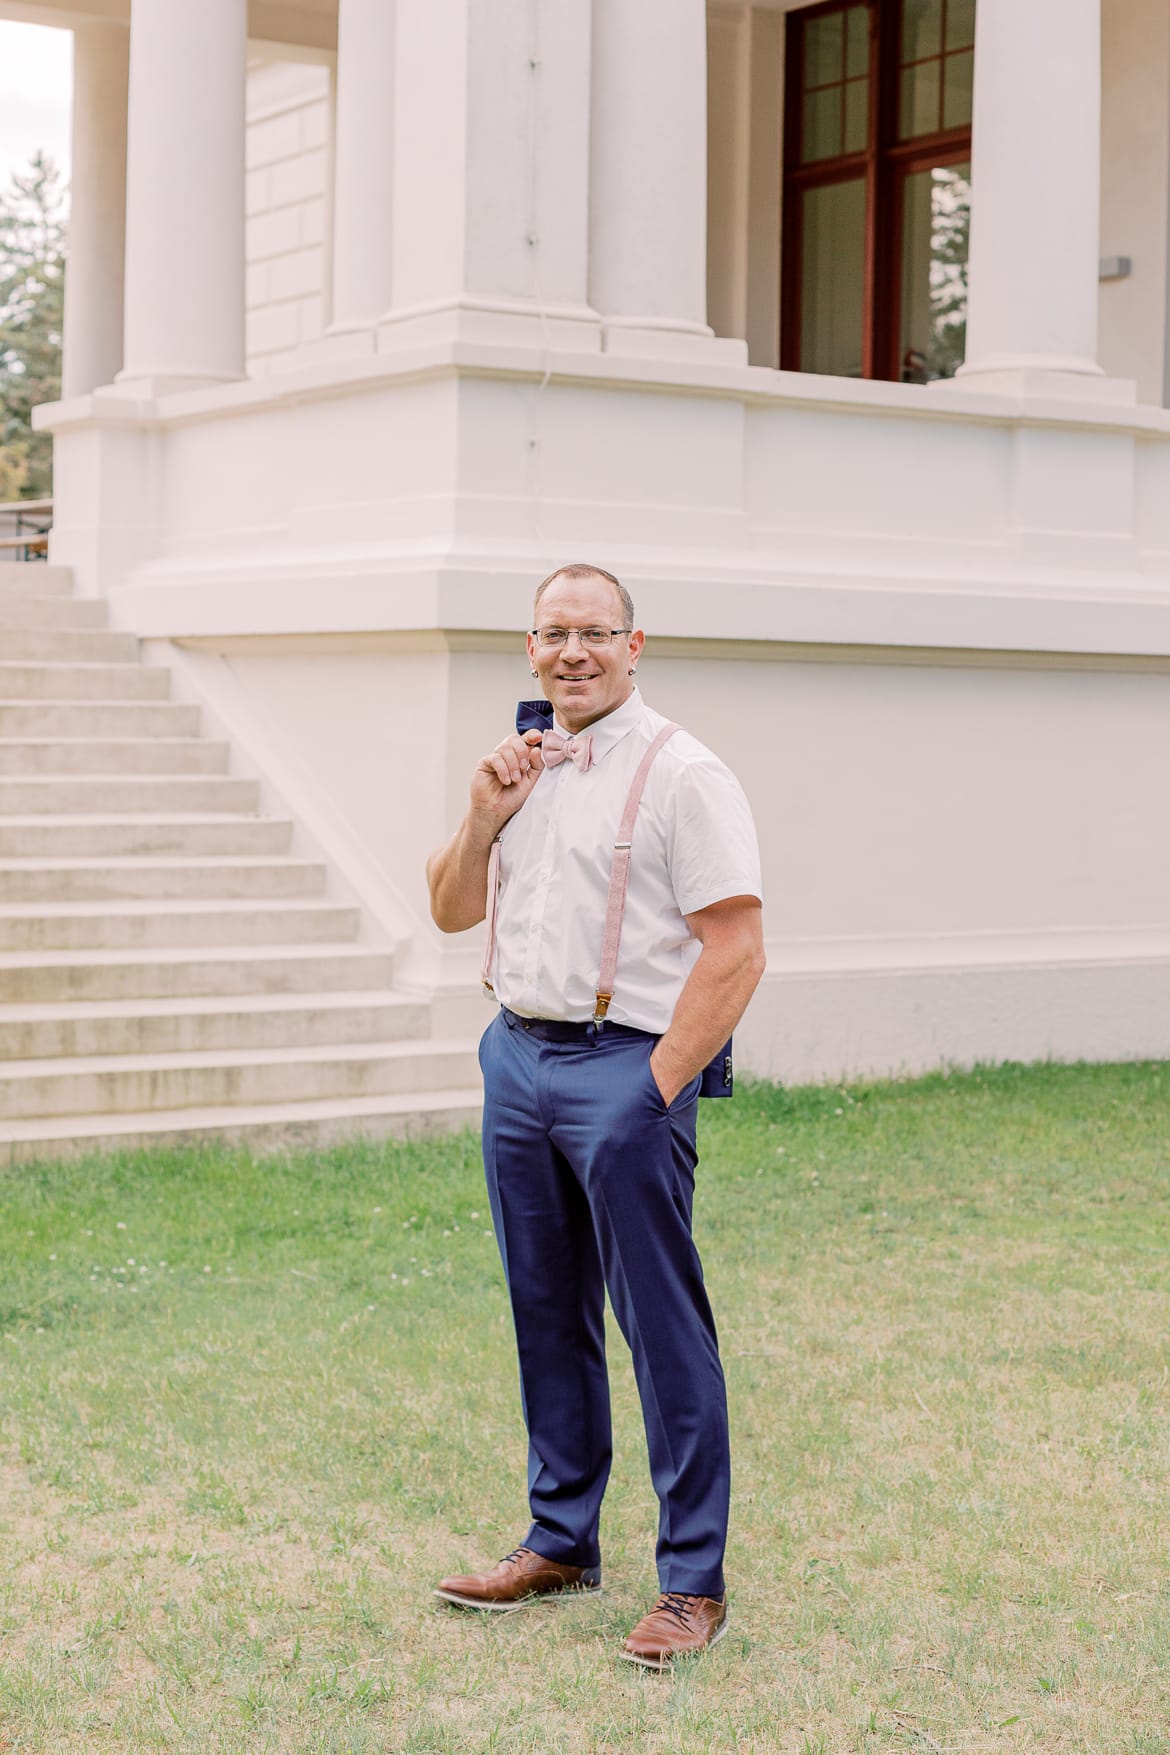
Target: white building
423, 297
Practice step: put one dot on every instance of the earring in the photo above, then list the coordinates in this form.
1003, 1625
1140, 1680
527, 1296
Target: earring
536, 673
628, 673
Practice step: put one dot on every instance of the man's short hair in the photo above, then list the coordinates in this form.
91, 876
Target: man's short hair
584, 570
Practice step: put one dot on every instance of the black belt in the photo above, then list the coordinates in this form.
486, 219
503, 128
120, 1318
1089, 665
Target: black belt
557, 1030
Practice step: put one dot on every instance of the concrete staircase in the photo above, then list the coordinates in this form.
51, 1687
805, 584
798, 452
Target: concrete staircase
169, 971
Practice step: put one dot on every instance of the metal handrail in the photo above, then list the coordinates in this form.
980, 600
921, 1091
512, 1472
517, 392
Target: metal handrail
31, 521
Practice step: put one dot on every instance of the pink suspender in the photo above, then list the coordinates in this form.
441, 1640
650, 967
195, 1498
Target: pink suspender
619, 877
493, 903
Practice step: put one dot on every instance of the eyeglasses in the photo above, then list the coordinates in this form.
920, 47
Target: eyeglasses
590, 637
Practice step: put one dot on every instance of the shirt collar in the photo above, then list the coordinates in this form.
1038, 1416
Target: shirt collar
612, 727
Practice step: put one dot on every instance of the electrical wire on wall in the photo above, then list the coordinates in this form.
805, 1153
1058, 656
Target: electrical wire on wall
532, 241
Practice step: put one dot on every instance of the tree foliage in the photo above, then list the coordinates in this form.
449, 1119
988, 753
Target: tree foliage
32, 280
950, 227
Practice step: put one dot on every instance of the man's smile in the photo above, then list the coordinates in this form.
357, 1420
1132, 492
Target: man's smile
584, 679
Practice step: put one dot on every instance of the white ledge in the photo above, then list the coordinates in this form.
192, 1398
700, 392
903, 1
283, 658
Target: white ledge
330, 378
428, 602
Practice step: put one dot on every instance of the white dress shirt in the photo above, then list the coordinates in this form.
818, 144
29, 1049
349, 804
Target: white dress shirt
694, 844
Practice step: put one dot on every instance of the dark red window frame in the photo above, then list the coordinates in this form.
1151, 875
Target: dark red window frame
885, 162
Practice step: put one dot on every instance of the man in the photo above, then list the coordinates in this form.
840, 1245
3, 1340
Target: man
589, 1133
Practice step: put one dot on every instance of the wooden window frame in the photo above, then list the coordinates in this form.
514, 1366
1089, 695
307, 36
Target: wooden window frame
884, 163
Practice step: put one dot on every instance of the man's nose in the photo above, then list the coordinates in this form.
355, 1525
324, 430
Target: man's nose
575, 634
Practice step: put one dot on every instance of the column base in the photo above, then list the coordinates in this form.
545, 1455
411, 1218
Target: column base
501, 322
148, 386
660, 339
1068, 378
341, 341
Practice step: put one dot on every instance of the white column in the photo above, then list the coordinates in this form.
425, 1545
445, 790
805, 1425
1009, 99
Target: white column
363, 199
648, 178
491, 173
91, 352
1035, 176
185, 195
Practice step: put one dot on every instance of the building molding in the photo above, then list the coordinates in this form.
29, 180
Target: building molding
762, 386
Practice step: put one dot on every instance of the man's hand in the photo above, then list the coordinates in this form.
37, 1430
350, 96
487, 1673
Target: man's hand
503, 780
716, 993
457, 873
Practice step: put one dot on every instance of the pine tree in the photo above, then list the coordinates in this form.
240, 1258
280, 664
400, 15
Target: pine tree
32, 280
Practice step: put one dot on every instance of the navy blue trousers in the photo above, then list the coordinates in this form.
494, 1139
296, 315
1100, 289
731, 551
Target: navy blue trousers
591, 1181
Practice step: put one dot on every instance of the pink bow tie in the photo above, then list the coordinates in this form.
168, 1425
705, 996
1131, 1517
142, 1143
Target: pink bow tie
555, 747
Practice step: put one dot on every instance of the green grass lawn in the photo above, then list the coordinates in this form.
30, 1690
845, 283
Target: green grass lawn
249, 1412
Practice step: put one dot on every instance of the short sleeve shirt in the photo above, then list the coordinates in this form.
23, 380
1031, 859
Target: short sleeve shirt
694, 843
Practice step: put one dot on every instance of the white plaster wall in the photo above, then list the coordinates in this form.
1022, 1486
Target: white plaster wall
388, 730
960, 861
903, 800
288, 155
1135, 190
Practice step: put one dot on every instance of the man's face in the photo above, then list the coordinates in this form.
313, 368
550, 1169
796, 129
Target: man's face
584, 685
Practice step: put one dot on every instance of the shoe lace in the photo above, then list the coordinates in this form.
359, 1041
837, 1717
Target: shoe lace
511, 1559
676, 1603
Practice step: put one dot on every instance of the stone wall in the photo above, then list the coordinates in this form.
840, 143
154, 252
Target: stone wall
288, 158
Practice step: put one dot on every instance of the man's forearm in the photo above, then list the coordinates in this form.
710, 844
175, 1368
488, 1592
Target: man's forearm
710, 1006
457, 878
457, 873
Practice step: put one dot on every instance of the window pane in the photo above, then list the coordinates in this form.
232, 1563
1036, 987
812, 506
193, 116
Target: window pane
822, 124
935, 225
824, 40
856, 114
960, 24
833, 278
921, 29
857, 41
958, 73
918, 100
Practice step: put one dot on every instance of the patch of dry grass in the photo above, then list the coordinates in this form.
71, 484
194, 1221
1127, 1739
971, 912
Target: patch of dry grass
225, 1494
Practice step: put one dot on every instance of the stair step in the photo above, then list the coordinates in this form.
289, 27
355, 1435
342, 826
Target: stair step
38, 576
103, 795
167, 971
99, 719
60, 645
21, 609
129, 1084
195, 1026
108, 756
115, 926
227, 878
82, 682
50, 977
202, 834
258, 1127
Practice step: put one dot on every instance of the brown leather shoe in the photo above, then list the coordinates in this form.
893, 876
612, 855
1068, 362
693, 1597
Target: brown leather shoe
676, 1625
521, 1577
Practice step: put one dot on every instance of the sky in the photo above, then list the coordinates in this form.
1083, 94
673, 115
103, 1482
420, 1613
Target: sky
36, 86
